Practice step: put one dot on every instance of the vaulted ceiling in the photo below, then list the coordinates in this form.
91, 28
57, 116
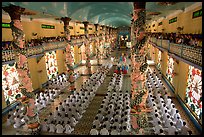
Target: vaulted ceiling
114, 14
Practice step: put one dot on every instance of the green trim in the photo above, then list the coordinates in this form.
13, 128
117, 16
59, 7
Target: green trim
197, 13
160, 23
70, 27
44, 26
6, 25
173, 20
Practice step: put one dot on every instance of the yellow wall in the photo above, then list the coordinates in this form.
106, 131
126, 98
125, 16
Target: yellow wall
76, 55
156, 55
164, 62
32, 64
196, 22
79, 31
34, 26
176, 77
181, 68
38, 78
182, 79
183, 19
43, 75
60, 61
3, 100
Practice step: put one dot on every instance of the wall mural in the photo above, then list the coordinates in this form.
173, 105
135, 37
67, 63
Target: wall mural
170, 69
194, 91
10, 83
159, 60
51, 64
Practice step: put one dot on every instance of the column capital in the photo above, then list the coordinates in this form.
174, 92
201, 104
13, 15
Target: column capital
139, 5
14, 11
66, 20
96, 26
85, 23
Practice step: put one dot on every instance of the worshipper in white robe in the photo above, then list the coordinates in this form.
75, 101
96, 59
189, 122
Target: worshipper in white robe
107, 123
124, 131
97, 123
184, 129
161, 132
9, 120
114, 131
73, 121
171, 129
52, 127
94, 131
58, 118
59, 128
68, 128
17, 122
116, 125
44, 126
157, 128
179, 123
104, 131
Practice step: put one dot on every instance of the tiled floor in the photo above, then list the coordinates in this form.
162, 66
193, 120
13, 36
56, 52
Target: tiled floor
85, 123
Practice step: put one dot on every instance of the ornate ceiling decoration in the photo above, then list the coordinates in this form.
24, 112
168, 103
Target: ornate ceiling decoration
166, 3
153, 13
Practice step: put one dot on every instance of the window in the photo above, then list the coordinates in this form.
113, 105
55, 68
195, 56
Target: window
6, 25
70, 27
197, 13
47, 26
51, 64
170, 69
173, 20
10, 83
160, 23
194, 91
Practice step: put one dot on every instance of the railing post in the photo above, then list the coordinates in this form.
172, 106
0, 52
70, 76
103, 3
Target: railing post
182, 50
161, 43
168, 46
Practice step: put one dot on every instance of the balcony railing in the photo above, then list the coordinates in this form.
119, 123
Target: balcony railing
8, 55
188, 53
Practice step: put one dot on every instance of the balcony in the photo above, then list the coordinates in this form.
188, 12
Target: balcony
9, 55
188, 53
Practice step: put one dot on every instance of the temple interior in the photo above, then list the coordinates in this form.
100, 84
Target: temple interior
101, 68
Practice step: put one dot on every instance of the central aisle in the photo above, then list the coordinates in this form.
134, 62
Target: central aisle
85, 124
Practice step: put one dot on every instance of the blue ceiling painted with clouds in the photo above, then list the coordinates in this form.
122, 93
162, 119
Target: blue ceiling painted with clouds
114, 14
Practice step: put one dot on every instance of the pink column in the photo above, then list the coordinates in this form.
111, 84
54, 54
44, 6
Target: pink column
25, 86
69, 59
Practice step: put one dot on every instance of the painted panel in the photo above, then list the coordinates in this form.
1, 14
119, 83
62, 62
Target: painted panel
194, 91
51, 64
159, 60
170, 69
10, 83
